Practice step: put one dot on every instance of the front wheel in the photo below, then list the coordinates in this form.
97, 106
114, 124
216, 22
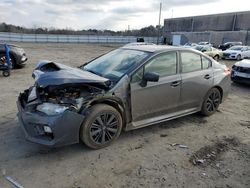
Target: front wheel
238, 58
101, 127
216, 57
6, 73
211, 102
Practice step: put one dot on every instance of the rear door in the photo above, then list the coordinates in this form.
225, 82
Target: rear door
197, 79
157, 98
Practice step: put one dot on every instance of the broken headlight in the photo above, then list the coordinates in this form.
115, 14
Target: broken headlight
51, 109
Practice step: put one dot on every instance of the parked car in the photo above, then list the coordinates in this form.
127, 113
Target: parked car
128, 88
236, 52
204, 43
210, 51
139, 43
227, 45
190, 44
17, 55
241, 71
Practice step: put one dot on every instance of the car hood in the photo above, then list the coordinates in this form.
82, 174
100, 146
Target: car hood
48, 73
231, 51
243, 63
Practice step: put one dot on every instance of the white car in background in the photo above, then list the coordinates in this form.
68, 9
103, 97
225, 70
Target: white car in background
241, 71
237, 52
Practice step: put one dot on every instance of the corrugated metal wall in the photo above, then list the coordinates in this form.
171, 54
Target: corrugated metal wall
19, 37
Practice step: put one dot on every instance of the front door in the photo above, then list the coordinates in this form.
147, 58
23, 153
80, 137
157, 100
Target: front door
156, 98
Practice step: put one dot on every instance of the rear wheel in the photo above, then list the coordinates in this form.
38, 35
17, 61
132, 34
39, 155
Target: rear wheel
101, 127
211, 102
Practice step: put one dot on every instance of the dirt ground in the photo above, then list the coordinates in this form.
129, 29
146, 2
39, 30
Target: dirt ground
217, 152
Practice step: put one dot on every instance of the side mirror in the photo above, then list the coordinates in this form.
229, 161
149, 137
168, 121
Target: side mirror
149, 77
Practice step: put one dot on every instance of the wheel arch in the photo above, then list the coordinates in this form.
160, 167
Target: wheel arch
220, 90
113, 103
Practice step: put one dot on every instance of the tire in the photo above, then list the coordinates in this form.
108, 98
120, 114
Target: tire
211, 102
105, 124
238, 58
216, 57
6, 73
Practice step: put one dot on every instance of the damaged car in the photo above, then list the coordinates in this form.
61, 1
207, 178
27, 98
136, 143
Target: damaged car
128, 88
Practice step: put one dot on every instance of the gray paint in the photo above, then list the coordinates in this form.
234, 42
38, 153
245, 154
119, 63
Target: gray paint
139, 106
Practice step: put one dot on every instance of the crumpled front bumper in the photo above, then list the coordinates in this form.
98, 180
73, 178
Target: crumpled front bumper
65, 127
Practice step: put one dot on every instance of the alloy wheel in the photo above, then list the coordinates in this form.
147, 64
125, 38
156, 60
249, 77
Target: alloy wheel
104, 128
213, 101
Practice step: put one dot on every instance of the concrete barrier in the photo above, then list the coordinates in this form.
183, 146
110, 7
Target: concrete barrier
20, 37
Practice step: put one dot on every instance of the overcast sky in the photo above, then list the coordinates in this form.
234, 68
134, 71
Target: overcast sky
107, 14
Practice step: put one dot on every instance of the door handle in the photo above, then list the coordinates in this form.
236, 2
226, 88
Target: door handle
175, 83
207, 76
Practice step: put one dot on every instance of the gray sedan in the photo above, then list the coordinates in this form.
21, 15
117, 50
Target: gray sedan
125, 89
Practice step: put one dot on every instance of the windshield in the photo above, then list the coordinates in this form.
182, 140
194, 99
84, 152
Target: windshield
237, 48
199, 47
115, 64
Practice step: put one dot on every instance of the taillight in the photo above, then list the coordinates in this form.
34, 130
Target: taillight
227, 71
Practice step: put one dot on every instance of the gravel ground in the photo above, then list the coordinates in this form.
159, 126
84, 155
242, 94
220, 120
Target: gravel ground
217, 153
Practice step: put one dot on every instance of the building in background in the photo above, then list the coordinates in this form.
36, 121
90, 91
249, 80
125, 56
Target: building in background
216, 28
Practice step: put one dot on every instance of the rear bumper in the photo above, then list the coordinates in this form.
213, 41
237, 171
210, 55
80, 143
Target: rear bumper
65, 127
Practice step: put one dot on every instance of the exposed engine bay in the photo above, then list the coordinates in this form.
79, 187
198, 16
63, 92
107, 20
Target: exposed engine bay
51, 97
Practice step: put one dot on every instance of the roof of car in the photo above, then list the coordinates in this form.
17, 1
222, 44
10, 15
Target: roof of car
154, 48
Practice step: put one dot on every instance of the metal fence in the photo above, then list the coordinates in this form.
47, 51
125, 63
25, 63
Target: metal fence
20, 37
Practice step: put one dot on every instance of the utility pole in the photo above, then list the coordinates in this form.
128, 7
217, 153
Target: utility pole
159, 24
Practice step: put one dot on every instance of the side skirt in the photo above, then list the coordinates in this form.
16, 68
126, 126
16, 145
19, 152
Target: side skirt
159, 119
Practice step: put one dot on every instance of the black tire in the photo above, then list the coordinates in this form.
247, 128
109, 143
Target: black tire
211, 102
216, 57
101, 127
238, 58
6, 73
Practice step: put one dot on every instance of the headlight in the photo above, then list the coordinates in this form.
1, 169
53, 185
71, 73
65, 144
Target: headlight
32, 95
51, 109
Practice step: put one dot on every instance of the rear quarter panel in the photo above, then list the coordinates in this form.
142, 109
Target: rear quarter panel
221, 79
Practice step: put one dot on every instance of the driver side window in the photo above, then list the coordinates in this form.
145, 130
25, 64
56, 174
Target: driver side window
164, 65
